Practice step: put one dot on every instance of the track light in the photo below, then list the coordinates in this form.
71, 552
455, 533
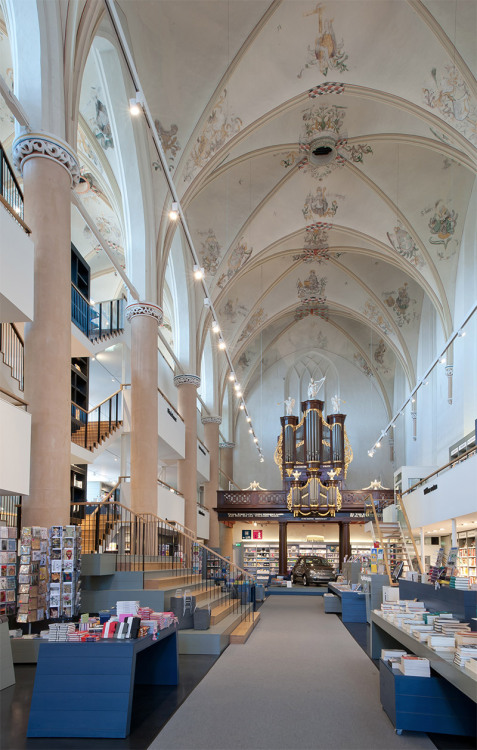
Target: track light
232, 376
251, 431
215, 327
371, 453
249, 419
255, 440
174, 212
461, 333
198, 273
239, 394
413, 401
262, 459
206, 301
378, 444
222, 344
443, 360
242, 406
135, 105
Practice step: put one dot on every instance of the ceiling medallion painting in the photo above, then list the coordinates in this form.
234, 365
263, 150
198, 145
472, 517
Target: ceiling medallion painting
99, 119
210, 251
219, 128
170, 143
442, 225
450, 96
255, 322
379, 358
238, 258
316, 245
319, 205
401, 304
327, 52
404, 245
362, 364
374, 314
312, 296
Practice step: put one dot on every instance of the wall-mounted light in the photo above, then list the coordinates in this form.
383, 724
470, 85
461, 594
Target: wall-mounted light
174, 212
198, 273
215, 327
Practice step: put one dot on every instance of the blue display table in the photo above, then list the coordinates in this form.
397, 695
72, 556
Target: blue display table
353, 604
425, 704
86, 689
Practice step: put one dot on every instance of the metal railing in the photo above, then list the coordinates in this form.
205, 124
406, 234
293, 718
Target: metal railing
145, 542
90, 428
13, 351
10, 193
449, 465
98, 320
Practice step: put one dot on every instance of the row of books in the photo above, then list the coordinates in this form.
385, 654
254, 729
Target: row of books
407, 664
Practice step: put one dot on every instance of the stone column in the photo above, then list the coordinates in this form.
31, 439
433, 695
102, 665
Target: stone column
345, 542
211, 432
282, 549
187, 467
227, 461
227, 539
144, 318
49, 168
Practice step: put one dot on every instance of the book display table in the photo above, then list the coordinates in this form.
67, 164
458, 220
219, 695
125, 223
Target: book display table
353, 603
86, 689
424, 704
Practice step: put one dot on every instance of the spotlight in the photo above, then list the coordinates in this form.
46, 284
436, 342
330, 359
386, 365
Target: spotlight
378, 444
262, 459
413, 401
215, 327
174, 212
251, 431
171, 489
239, 394
371, 453
461, 333
222, 344
198, 273
255, 440
242, 407
237, 386
232, 376
442, 360
135, 105
249, 419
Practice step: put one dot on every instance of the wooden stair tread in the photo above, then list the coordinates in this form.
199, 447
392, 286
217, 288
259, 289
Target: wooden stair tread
241, 633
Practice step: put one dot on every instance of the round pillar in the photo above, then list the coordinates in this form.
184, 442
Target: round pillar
187, 467
49, 168
282, 549
211, 433
345, 542
227, 540
144, 319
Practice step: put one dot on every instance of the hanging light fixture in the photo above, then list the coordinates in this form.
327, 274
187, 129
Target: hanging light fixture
174, 215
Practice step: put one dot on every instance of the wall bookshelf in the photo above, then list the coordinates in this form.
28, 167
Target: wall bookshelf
328, 550
466, 559
261, 560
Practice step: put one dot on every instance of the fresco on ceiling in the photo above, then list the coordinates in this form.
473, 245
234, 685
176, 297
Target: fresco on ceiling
362, 364
404, 245
327, 52
319, 204
209, 252
219, 128
85, 148
237, 259
98, 118
245, 360
326, 88
232, 309
6, 118
401, 304
318, 120
379, 357
170, 143
375, 315
258, 317
312, 296
449, 95
442, 225
316, 247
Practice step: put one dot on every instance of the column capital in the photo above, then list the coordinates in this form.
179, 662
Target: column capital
32, 145
144, 308
187, 380
449, 370
211, 420
226, 445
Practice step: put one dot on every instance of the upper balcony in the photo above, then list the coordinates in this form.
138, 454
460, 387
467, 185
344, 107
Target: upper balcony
16, 251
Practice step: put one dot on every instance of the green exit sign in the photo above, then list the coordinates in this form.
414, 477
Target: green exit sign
238, 544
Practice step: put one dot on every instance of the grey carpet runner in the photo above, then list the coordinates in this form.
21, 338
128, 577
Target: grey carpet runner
301, 682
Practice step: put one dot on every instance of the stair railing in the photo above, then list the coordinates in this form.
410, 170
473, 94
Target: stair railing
11, 195
402, 509
147, 543
90, 427
99, 319
13, 351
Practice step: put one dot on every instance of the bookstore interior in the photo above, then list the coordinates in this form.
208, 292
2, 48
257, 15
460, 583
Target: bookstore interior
238, 347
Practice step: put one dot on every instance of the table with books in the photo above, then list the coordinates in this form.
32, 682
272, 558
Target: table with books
411, 642
353, 603
86, 689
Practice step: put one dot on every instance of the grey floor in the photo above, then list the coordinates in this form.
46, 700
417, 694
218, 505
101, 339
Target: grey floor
301, 682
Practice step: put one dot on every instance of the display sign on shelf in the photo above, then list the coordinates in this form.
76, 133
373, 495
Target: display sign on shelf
258, 534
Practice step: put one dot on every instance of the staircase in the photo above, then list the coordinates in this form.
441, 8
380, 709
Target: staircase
153, 560
394, 536
99, 322
12, 351
92, 428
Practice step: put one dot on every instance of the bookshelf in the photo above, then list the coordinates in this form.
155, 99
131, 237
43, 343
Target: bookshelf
328, 550
466, 559
261, 560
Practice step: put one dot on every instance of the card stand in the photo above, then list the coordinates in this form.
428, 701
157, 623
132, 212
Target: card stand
33, 574
8, 570
65, 564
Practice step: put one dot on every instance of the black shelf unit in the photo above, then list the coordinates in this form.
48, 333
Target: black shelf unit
78, 480
80, 272
79, 388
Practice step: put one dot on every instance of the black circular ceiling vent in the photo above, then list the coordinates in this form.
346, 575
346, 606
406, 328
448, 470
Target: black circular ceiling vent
322, 150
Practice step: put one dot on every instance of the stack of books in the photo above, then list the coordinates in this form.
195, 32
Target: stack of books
392, 656
59, 631
464, 653
415, 666
440, 642
440, 621
471, 666
459, 582
451, 627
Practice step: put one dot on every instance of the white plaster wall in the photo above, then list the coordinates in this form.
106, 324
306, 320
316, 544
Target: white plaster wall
171, 431
16, 271
15, 441
170, 506
203, 521
203, 463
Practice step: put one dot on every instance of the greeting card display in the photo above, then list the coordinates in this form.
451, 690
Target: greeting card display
33, 574
8, 570
65, 564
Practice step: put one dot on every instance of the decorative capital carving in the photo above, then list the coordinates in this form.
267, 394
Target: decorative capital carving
211, 420
32, 145
144, 308
187, 380
226, 445
449, 370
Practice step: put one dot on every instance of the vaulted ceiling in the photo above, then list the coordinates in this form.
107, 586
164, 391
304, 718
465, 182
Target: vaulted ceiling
363, 233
